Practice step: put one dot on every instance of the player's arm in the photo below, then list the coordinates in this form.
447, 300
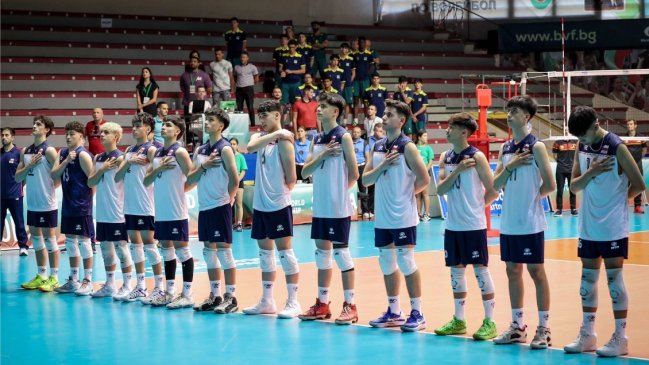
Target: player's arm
59, 167
311, 162
230, 165
257, 141
445, 181
287, 158
196, 172
185, 164
22, 169
416, 165
500, 175
122, 169
372, 173
580, 179
630, 168
95, 177
52, 157
543, 162
420, 111
486, 176
350, 160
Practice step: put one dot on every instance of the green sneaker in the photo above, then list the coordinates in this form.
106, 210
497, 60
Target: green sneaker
50, 284
487, 331
453, 327
35, 283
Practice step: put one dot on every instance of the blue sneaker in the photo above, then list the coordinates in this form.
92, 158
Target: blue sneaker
415, 322
388, 319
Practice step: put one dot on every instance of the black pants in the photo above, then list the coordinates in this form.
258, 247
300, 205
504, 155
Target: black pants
637, 201
362, 191
561, 179
246, 94
15, 207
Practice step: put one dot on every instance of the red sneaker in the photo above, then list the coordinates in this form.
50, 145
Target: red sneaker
317, 311
348, 315
638, 210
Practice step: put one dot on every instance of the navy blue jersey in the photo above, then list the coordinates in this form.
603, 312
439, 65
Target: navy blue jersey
348, 65
363, 60
206, 149
10, 160
376, 96
419, 99
234, 41
337, 77
293, 62
77, 196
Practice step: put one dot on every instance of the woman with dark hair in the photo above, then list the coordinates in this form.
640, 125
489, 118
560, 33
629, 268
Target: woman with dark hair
146, 93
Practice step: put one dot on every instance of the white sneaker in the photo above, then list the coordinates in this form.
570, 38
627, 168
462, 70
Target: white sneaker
181, 301
162, 299
366, 216
292, 309
263, 307
70, 286
136, 294
585, 342
157, 292
616, 346
104, 291
122, 293
371, 215
85, 288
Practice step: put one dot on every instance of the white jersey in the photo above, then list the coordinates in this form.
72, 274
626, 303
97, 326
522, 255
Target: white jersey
169, 188
330, 194
394, 194
41, 194
271, 193
110, 194
604, 214
466, 207
522, 211
213, 185
138, 199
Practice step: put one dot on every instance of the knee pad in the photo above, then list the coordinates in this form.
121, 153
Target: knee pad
406, 260
72, 247
168, 254
124, 254
588, 289
184, 253
108, 253
38, 243
209, 255
289, 262
388, 261
137, 252
267, 260
85, 246
343, 259
485, 282
617, 289
226, 258
152, 254
323, 259
52, 244
458, 279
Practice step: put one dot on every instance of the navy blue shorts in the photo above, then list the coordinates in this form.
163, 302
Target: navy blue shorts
466, 247
79, 226
172, 230
111, 232
605, 249
43, 219
523, 248
215, 225
272, 225
400, 236
140, 222
331, 229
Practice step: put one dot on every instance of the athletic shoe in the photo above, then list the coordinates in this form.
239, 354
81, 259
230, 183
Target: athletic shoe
349, 314
292, 309
209, 303
513, 334
317, 311
487, 330
84, 289
228, 305
541, 339
162, 299
122, 293
70, 286
136, 294
415, 322
421, 217
104, 291
238, 227
388, 319
585, 342
371, 216
616, 346
427, 217
154, 294
23, 251
574, 212
453, 327
263, 307
35, 283
638, 210
557, 213
181, 301
50, 284
366, 216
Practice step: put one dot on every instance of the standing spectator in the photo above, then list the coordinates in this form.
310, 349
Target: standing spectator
246, 75
360, 149
235, 40
222, 78
336, 74
374, 66
305, 50
362, 59
290, 32
278, 56
376, 95
304, 114
375, 137
419, 106
163, 111
302, 146
190, 81
146, 93
618, 94
405, 94
92, 131
371, 120
12, 191
242, 167
286, 108
291, 69
346, 62
564, 154
327, 86
637, 150
319, 42
640, 97
194, 54
427, 154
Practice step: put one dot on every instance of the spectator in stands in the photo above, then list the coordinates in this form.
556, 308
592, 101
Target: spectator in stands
360, 149
371, 119
246, 76
222, 78
242, 167
190, 81
93, 135
194, 54
419, 105
290, 32
640, 97
375, 137
278, 55
199, 105
336, 74
564, 154
374, 66
302, 145
235, 40
291, 70
286, 108
327, 86
347, 63
618, 93
11, 193
305, 114
362, 59
427, 154
318, 40
637, 150
405, 94
376, 95
305, 50
163, 111
308, 80
146, 93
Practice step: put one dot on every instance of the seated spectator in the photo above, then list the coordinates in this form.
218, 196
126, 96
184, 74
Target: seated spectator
618, 93
146, 93
305, 114
200, 105
302, 146
640, 97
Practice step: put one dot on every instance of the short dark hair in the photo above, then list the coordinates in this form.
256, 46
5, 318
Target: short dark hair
76, 127
402, 108
403, 79
283, 35
464, 120
309, 87
524, 102
179, 123
419, 80
292, 42
244, 52
344, 45
421, 133
301, 33
47, 122
581, 118
316, 22
234, 18
376, 74
145, 119
269, 106
334, 57
160, 103
11, 131
327, 77
333, 100
362, 38
219, 114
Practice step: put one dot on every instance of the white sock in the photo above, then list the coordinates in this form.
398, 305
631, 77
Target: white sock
517, 316
187, 288
323, 294
54, 271
110, 278
215, 288
349, 296
544, 319
268, 289
127, 276
42, 272
74, 273
230, 289
140, 281
489, 308
620, 327
395, 304
87, 274
292, 292
415, 304
588, 322
459, 308
171, 287
159, 279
